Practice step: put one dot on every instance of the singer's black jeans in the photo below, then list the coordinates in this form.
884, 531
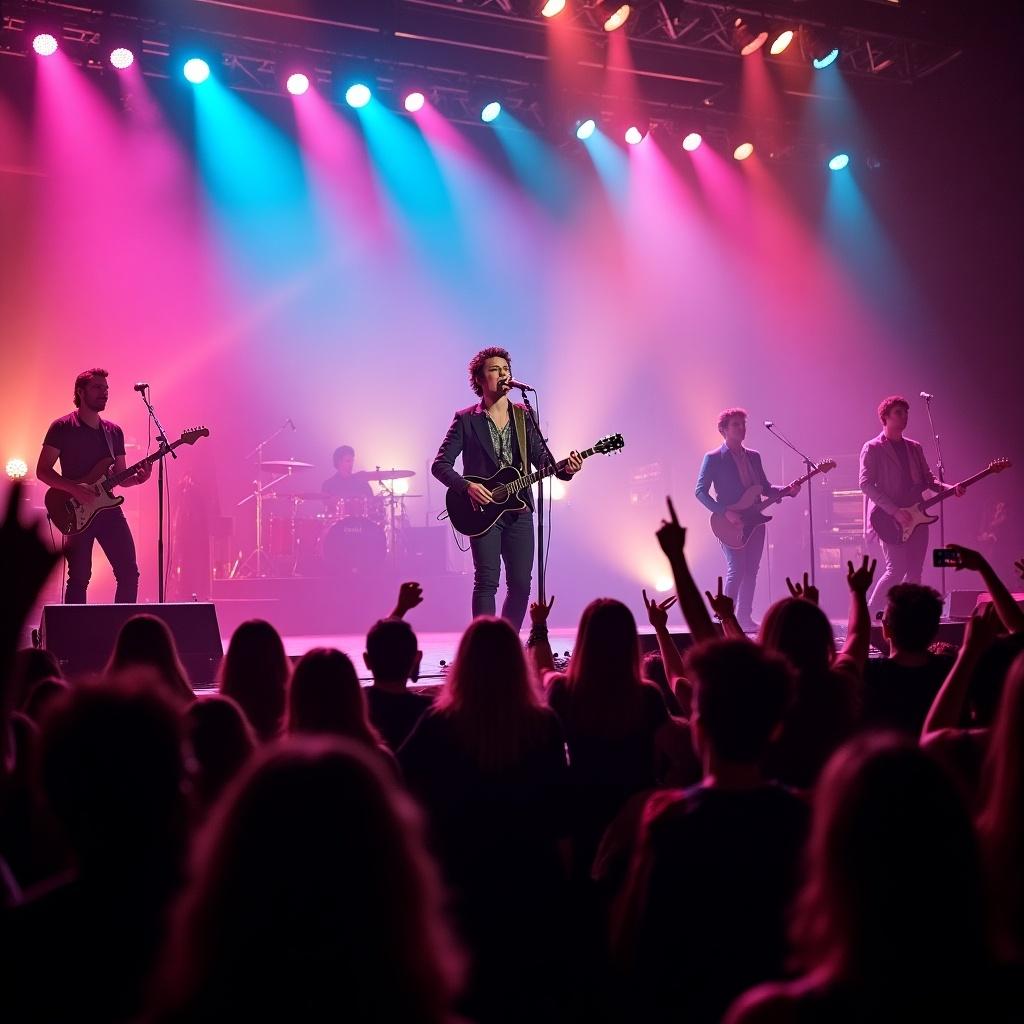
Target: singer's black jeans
509, 540
110, 528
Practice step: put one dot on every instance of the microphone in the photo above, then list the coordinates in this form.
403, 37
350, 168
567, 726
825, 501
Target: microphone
769, 424
511, 382
926, 396
141, 387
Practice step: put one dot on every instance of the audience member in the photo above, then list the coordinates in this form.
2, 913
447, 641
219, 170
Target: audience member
254, 673
221, 741
145, 642
393, 658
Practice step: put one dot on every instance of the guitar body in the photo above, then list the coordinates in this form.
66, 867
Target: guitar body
889, 529
68, 514
471, 522
734, 535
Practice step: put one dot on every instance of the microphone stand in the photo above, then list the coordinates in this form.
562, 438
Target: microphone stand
941, 466
259, 489
162, 445
810, 502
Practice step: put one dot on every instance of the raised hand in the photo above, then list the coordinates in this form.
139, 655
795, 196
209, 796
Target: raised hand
859, 579
983, 627
657, 614
27, 561
539, 611
969, 559
721, 603
671, 536
409, 596
807, 590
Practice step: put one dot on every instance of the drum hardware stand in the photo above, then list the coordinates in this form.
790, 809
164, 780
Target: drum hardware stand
257, 495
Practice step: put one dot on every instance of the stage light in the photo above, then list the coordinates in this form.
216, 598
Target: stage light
692, 141
414, 101
748, 38
196, 70
839, 161
297, 83
821, 46
121, 58
663, 584
17, 469
552, 7
490, 111
743, 150
781, 42
584, 129
614, 13
358, 95
829, 58
45, 44
558, 489
400, 487
635, 135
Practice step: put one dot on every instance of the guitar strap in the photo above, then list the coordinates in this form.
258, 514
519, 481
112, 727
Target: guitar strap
519, 415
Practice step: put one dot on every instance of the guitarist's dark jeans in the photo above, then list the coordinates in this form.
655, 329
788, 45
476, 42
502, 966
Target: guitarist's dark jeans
741, 576
110, 528
510, 540
903, 564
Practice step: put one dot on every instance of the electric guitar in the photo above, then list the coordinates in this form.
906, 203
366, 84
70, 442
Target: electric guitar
505, 486
72, 516
889, 528
750, 508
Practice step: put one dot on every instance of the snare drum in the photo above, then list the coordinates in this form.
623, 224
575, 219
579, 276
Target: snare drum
354, 544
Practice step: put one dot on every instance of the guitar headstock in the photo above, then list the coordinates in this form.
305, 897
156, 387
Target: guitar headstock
998, 465
826, 466
193, 434
610, 444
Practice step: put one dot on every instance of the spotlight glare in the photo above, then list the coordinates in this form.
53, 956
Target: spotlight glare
297, 84
558, 489
743, 150
490, 111
830, 58
414, 101
552, 7
196, 70
17, 469
618, 18
45, 44
584, 129
634, 136
358, 95
692, 141
122, 58
839, 161
663, 584
780, 42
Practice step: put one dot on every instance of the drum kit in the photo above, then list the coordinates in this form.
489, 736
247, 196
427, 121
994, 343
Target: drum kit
314, 533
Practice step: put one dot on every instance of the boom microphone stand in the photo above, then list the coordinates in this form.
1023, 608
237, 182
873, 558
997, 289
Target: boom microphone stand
162, 446
810, 501
941, 467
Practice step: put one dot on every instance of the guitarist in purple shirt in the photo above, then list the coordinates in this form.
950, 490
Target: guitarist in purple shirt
80, 440
486, 435
732, 470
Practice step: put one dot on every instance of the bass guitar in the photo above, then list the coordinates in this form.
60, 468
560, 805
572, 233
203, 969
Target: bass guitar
72, 516
751, 508
505, 486
892, 531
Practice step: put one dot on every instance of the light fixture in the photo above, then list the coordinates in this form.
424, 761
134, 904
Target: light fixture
839, 162
781, 41
743, 150
297, 83
821, 47
585, 128
45, 44
635, 134
748, 36
551, 8
613, 14
358, 94
692, 141
489, 111
196, 70
17, 469
414, 101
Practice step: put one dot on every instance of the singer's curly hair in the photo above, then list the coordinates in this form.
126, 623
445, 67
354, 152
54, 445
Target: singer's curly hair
476, 365
888, 404
85, 378
727, 414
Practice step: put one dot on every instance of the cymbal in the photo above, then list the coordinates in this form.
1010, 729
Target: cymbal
386, 474
285, 465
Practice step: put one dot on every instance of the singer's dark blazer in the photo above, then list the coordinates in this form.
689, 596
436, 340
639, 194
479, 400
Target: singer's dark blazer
470, 436
719, 468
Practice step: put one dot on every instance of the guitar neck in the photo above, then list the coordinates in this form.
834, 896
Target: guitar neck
943, 495
125, 474
528, 481
768, 502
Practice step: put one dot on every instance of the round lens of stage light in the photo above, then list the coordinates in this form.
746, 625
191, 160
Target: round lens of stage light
839, 161
45, 44
743, 150
357, 95
780, 42
692, 141
553, 7
415, 101
196, 70
830, 58
297, 84
122, 58
634, 136
17, 469
617, 18
490, 112
584, 129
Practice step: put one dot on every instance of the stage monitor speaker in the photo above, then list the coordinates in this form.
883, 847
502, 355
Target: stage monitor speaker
82, 636
960, 604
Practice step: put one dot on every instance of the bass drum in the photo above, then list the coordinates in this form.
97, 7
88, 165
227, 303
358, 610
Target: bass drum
354, 545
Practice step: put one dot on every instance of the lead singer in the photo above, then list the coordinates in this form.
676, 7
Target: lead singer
487, 437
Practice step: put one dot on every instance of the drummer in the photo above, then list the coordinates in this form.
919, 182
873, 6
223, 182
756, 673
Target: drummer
345, 483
